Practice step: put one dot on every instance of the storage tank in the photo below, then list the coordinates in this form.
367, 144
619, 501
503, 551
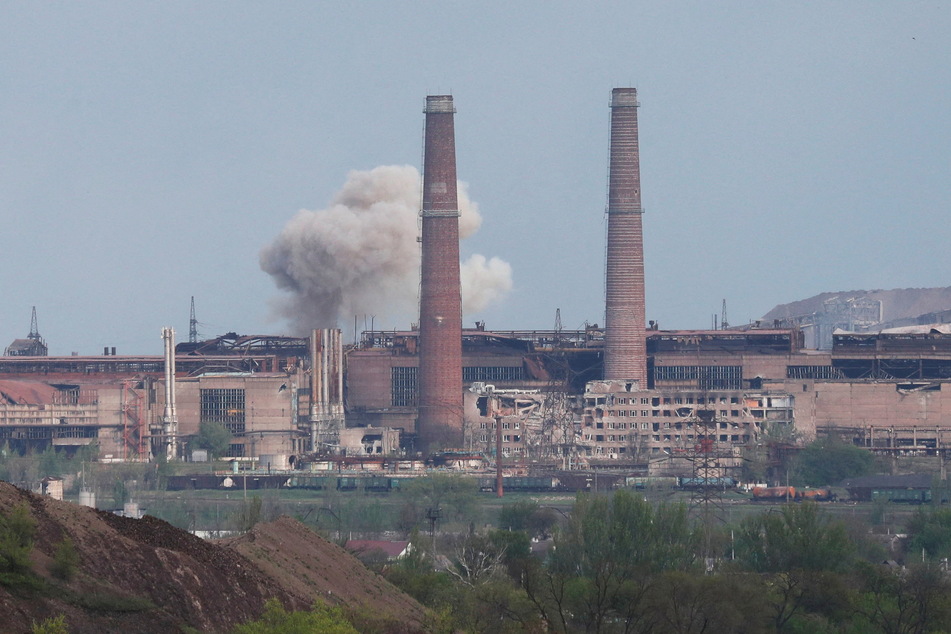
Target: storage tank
87, 498
275, 461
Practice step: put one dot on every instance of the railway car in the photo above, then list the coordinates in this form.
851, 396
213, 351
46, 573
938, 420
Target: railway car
539, 484
903, 496
706, 483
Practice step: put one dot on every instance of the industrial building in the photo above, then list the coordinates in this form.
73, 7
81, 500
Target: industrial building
622, 396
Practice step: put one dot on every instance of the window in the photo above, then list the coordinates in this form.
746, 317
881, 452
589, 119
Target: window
713, 377
492, 373
403, 386
813, 372
225, 406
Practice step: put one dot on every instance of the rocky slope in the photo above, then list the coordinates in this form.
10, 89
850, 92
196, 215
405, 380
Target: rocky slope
148, 576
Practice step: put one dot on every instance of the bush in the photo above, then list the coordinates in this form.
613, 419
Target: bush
65, 560
831, 460
16, 539
277, 620
52, 625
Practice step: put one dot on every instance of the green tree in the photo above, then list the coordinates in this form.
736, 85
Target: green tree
17, 529
214, 437
65, 561
456, 495
829, 461
797, 537
912, 601
685, 602
527, 516
51, 463
930, 532
606, 558
277, 620
250, 513
801, 552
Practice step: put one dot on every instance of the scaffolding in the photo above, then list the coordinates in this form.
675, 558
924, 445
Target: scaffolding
134, 429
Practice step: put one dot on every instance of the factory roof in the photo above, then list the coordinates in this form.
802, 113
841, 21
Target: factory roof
26, 393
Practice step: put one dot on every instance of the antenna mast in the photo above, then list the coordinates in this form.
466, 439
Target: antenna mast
193, 325
34, 329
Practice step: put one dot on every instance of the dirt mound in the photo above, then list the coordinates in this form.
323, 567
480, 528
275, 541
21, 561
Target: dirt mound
148, 576
286, 551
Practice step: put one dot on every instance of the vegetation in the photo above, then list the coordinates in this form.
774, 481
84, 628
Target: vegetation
213, 437
17, 530
277, 620
622, 564
829, 461
931, 533
65, 561
52, 625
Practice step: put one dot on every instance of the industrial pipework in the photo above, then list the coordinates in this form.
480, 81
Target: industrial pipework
326, 388
170, 417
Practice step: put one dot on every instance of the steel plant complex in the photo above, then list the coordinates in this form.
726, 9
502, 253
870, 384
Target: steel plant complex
629, 398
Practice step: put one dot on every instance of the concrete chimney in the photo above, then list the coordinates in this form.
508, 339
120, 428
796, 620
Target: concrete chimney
439, 421
625, 347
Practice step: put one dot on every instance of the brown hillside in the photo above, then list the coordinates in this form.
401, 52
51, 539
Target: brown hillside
284, 550
148, 576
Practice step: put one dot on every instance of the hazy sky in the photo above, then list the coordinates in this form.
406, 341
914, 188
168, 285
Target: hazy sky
150, 150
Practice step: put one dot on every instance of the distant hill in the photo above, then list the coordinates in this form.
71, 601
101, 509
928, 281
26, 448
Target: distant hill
148, 576
900, 306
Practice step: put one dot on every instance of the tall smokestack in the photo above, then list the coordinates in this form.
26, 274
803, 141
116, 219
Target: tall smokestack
439, 422
625, 347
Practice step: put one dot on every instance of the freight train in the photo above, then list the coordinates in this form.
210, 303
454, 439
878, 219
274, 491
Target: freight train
369, 484
706, 483
532, 484
792, 494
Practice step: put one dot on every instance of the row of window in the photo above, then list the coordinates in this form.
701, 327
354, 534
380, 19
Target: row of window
705, 377
515, 425
47, 432
506, 438
677, 400
657, 426
403, 380
661, 413
632, 438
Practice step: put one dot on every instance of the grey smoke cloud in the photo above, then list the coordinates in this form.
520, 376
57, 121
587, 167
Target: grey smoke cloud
360, 256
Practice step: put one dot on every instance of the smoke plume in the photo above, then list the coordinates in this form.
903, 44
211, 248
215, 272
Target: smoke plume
360, 256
